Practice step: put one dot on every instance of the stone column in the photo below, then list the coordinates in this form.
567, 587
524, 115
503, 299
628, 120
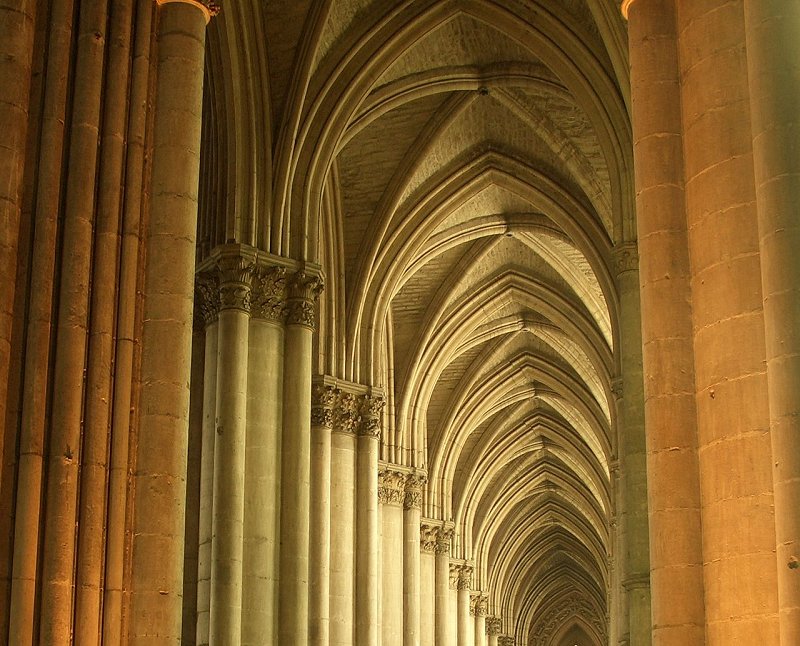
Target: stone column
479, 612
208, 304
391, 494
367, 542
494, 626
343, 520
296, 460
442, 600
412, 505
427, 586
323, 399
227, 521
773, 62
463, 586
506, 640
636, 555
732, 397
263, 458
159, 480
676, 567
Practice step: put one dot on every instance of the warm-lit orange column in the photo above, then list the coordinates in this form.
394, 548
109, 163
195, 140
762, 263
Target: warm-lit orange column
676, 573
773, 60
733, 423
159, 479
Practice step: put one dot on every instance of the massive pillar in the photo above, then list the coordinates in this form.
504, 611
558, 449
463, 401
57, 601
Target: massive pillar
263, 458
227, 522
323, 399
728, 323
412, 505
296, 460
367, 521
442, 593
636, 553
427, 583
773, 62
676, 573
159, 480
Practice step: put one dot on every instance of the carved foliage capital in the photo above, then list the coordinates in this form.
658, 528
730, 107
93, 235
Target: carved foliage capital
269, 291
303, 292
346, 414
626, 258
323, 400
413, 487
444, 536
505, 640
464, 577
427, 537
494, 626
370, 416
391, 487
478, 605
207, 297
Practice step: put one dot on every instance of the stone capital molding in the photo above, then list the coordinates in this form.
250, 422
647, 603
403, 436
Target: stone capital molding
207, 298
478, 605
444, 537
626, 258
323, 400
210, 8
304, 289
494, 626
505, 640
391, 487
464, 577
413, 487
346, 414
235, 276
371, 407
268, 294
427, 538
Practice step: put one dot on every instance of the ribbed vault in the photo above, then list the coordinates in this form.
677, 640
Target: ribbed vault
473, 192
460, 169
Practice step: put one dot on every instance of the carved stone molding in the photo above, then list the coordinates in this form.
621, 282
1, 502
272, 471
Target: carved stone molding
235, 275
494, 626
626, 258
391, 487
427, 538
548, 625
207, 298
323, 400
464, 577
479, 605
444, 536
505, 640
616, 387
413, 487
209, 7
371, 407
304, 289
346, 414
268, 294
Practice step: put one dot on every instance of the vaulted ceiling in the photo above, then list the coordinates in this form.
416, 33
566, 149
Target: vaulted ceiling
469, 162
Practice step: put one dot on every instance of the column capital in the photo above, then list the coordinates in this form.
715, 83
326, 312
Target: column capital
210, 8
494, 626
235, 276
427, 537
323, 400
464, 577
371, 407
268, 294
413, 488
347, 415
626, 257
505, 640
444, 536
207, 297
478, 605
304, 289
391, 486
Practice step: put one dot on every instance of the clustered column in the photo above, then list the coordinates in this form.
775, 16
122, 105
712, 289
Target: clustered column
427, 586
442, 594
412, 505
391, 494
463, 583
479, 612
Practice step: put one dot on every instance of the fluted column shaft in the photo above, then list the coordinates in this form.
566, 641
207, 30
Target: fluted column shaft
296, 460
773, 61
322, 401
343, 521
263, 459
442, 595
636, 555
391, 495
427, 585
463, 586
157, 559
670, 416
227, 524
412, 505
367, 522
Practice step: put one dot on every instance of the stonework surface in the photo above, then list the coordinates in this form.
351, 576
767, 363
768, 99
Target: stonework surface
415, 323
